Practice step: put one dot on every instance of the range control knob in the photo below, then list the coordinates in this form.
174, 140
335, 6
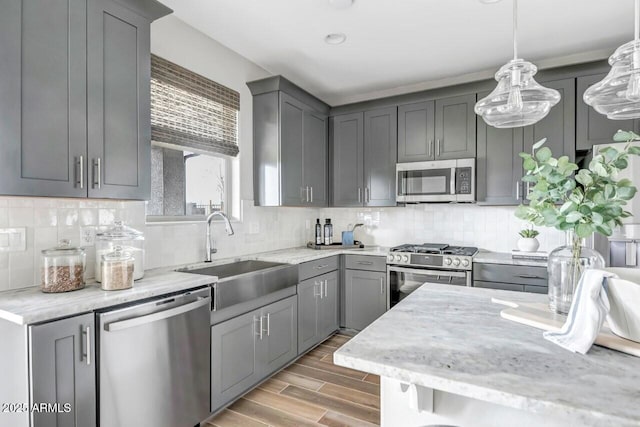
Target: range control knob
405, 258
465, 263
398, 258
447, 261
456, 261
389, 257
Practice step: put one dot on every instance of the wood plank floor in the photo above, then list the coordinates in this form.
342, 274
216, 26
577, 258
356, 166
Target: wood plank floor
311, 392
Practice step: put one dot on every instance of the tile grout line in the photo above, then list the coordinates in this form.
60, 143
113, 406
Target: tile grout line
343, 376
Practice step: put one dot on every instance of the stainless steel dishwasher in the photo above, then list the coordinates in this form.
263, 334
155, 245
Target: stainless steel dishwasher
154, 362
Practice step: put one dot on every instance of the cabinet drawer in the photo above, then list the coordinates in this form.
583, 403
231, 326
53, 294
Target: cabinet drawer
496, 285
537, 289
522, 275
317, 267
366, 262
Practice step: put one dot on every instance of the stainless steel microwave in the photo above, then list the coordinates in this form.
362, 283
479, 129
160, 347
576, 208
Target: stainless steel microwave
436, 181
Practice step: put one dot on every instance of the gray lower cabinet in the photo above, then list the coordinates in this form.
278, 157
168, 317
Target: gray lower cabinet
317, 309
290, 152
416, 132
365, 297
593, 128
62, 370
522, 278
498, 164
364, 152
455, 130
74, 110
559, 126
248, 348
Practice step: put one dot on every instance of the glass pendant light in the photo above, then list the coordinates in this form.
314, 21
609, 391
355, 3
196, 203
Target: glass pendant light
518, 100
618, 95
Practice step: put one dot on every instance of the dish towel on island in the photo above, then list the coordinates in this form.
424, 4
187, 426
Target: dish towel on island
589, 309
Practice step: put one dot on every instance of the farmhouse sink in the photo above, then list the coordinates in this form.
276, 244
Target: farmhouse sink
246, 285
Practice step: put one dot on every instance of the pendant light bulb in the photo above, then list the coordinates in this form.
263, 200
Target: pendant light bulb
618, 95
518, 100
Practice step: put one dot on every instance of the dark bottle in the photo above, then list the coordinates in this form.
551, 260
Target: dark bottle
327, 232
330, 232
318, 232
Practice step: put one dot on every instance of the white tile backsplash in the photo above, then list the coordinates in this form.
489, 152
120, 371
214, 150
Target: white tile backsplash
262, 229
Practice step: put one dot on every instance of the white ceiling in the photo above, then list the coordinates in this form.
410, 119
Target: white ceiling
396, 46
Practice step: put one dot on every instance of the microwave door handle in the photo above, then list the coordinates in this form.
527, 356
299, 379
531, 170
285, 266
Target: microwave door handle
453, 182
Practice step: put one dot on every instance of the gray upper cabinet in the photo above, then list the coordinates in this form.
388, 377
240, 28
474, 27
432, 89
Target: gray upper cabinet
347, 165
364, 153
290, 145
499, 166
592, 127
455, 130
74, 110
62, 370
119, 124
380, 154
559, 126
416, 132
43, 97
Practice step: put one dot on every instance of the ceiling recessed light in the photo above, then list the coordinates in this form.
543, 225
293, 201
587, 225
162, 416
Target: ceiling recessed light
335, 38
341, 4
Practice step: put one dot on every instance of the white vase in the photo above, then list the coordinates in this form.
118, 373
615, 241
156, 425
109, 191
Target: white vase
528, 244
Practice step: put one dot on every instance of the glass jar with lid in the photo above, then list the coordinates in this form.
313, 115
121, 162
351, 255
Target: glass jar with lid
117, 270
63, 268
129, 239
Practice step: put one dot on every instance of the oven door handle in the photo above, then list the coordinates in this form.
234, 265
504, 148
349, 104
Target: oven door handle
425, 272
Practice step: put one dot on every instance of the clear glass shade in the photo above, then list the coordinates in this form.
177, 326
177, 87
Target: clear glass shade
518, 100
618, 95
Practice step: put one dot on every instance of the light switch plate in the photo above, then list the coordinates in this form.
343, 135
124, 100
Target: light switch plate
87, 236
13, 239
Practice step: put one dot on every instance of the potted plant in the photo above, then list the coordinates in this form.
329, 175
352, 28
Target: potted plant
528, 241
579, 202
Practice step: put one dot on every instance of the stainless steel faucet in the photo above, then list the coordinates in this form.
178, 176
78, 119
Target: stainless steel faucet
227, 225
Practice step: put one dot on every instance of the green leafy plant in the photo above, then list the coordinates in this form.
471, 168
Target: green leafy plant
580, 200
529, 233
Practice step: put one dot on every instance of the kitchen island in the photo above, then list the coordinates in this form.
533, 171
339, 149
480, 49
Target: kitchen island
447, 357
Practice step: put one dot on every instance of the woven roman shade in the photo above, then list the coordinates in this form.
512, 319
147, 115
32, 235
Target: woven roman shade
191, 111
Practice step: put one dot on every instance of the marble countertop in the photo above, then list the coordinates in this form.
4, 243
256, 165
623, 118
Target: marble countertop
453, 339
30, 305
487, 257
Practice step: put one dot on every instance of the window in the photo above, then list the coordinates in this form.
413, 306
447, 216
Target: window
194, 133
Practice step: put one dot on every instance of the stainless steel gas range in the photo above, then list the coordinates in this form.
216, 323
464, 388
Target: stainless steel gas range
410, 266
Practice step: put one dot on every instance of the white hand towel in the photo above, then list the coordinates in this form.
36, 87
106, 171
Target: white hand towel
589, 309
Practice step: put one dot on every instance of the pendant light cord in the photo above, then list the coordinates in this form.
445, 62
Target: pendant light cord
515, 27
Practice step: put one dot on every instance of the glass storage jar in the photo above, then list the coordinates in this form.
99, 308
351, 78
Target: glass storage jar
117, 270
63, 268
129, 239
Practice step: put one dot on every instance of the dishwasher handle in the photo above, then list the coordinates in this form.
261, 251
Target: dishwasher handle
160, 315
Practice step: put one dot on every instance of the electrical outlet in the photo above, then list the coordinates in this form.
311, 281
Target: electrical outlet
87, 236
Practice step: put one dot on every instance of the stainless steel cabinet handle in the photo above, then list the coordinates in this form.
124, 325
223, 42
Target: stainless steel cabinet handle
307, 194
311, 194
153, 317
429, 147
97, 179
381, 286
359, 195
529, 276
321, 266
258, 320
365, 263
81, 174
367, 195
326, 288
268, 323
87, 344
437, 148
528, 184
517, 189
215, 297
